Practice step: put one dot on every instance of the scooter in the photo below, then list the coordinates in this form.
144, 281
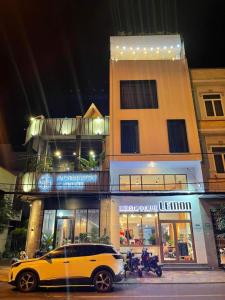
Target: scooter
150, 263
132, 264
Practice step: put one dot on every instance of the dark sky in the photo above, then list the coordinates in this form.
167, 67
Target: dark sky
54, 54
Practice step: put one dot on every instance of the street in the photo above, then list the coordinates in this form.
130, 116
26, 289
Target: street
124, 291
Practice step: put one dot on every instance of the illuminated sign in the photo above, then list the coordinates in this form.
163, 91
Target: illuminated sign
161, 206
45, 183
67, 181
138, 208
73, 181
174, 206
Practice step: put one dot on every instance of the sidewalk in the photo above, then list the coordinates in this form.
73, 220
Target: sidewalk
217, 276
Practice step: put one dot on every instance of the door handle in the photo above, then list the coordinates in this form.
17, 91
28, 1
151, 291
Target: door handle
92, 260
66, 262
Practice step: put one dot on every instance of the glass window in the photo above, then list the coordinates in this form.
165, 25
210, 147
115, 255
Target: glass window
129, 136
174, 216
138, 229
181, 182
138, 94
81, 222
219, 158
65, 213
93, 223
213, 105
153, 182
48, 230
58, 253
177, 134
136, 182
170, 182
124, 183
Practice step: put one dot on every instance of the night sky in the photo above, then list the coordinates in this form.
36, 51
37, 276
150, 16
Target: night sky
54, 54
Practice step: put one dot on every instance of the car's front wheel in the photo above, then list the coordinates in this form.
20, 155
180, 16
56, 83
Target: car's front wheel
103, 281
27, 281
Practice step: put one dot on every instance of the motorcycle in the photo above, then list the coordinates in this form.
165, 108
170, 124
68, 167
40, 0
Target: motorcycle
150, 263
132, 264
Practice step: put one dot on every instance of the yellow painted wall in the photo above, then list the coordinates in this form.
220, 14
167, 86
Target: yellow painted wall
175, 102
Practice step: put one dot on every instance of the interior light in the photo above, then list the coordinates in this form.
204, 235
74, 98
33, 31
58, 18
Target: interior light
151, 49
92, 153
134, 52
171, 47
144, 49
121, 53
124, 47
148, 215
164, 47
57, 153
60, 214
178, 46
117, 47
131, 48
74, 153
32, 119
138, 48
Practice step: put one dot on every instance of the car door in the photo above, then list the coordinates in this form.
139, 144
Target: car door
82, 263
54, 268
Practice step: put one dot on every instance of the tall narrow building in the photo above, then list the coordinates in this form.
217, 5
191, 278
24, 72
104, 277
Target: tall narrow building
155, 155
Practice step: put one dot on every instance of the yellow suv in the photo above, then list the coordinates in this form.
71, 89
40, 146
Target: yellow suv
95, 265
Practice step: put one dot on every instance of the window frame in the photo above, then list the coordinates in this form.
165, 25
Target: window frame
141, 185
151, 100
186, 133
223, 159
213, 105
138, 137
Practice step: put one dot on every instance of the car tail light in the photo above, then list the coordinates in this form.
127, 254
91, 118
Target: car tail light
117, 256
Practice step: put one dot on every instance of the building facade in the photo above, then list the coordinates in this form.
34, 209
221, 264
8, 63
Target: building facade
208, 91
155, 154
67, 180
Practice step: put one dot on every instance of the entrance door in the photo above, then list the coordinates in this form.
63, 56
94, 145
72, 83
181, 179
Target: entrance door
177, 242
64, 231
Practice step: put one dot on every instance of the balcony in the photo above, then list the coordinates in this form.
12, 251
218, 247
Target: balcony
68, 127
70, 182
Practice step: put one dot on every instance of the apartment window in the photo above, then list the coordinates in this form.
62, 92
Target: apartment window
177, 136
129, 136
213, 105
219, 158
138, 94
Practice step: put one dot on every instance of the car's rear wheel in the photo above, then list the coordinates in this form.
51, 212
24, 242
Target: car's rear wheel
103, 281
27, 281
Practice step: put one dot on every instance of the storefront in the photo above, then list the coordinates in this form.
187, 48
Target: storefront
171, 229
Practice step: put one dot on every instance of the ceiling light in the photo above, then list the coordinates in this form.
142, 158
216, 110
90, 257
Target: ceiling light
92, 153
32, 119
178, 45
117, 47
151, 49
74, 153
138, 48
134, 52
131, 48
124, 47
171, 47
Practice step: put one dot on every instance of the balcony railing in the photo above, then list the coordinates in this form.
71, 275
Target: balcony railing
90, 181
68, 127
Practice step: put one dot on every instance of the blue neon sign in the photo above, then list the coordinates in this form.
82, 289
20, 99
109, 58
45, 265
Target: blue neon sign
45, 183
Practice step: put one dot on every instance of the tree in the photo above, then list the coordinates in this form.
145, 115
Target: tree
219, 216
6, 211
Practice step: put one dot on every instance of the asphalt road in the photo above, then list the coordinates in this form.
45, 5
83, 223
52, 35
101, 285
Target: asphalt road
123, 291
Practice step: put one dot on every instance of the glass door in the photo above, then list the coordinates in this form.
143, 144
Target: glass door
185, 242
64, 231
177, 242
168, 245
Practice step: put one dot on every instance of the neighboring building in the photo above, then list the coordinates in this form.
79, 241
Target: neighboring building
155, 155
66, 174
7, 184
209, 97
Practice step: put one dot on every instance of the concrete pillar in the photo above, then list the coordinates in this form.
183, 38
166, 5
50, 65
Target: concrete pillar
34, 228
109, 221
